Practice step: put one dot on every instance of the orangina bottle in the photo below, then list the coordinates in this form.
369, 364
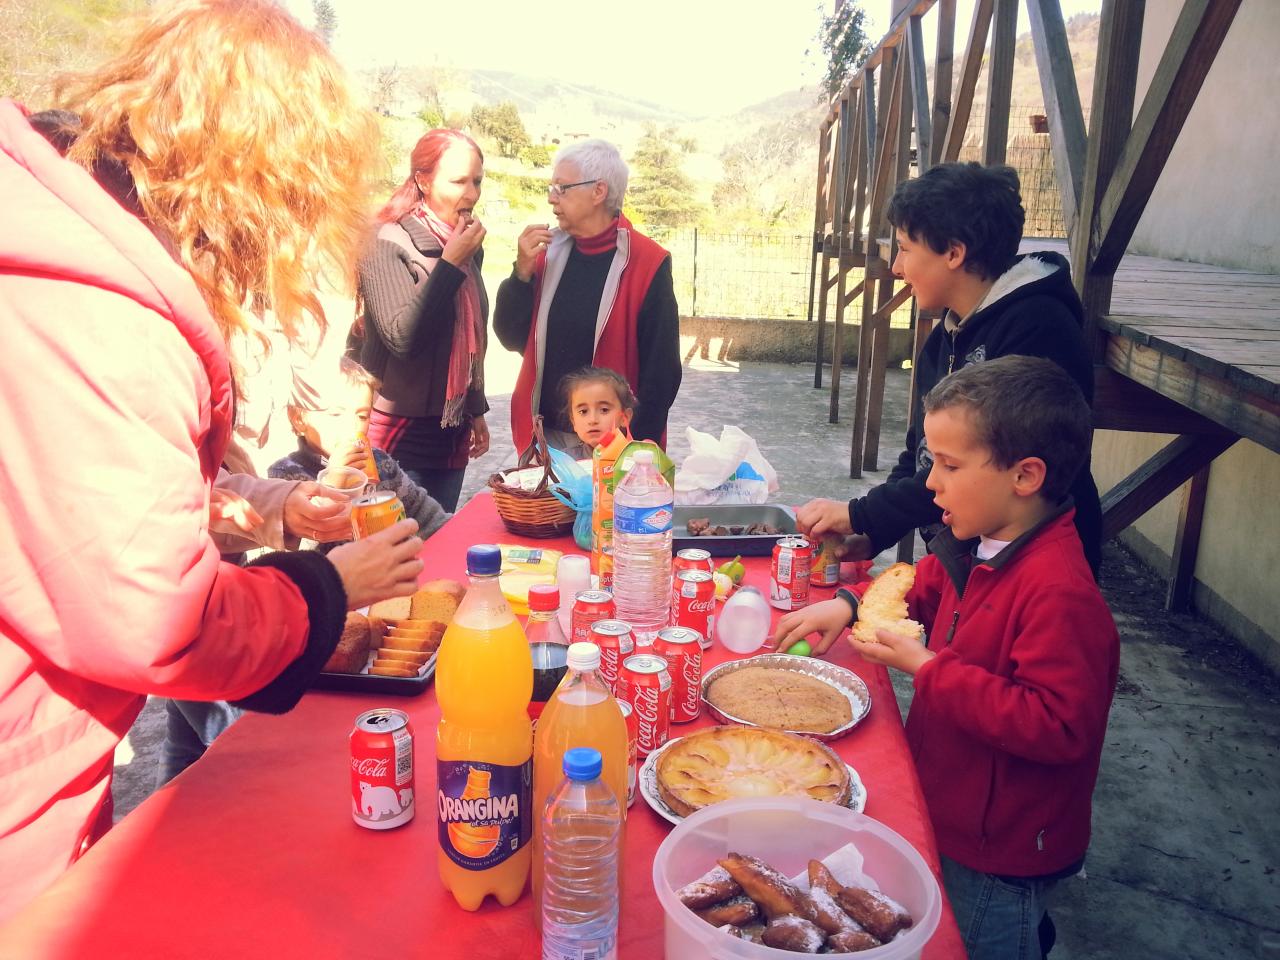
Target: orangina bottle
581, 713
484, 765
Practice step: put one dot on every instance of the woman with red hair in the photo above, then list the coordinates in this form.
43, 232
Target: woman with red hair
425, 313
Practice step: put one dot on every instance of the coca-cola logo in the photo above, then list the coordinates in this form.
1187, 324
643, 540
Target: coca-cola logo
369, 766
645, 701
702, 606
692, 676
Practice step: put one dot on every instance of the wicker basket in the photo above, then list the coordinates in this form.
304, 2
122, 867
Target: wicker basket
525, 503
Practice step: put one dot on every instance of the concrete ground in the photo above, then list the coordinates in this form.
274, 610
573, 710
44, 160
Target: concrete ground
1186, 844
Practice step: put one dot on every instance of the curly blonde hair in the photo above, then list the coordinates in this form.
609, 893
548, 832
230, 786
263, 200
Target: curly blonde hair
247, 147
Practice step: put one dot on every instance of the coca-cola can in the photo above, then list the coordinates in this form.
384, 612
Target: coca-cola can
693, 603
616, 643
825, 569
382, 769
588, 607
789, 573
681, 647
645, 683
692, 558
629, 715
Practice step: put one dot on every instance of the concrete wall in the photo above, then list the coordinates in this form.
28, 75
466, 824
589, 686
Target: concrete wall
780, 341
1239, 558
1217, 202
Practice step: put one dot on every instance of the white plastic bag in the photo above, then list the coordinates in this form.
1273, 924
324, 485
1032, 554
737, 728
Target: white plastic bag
729, 470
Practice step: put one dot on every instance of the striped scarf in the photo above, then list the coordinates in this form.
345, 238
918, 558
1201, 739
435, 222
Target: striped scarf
466, 365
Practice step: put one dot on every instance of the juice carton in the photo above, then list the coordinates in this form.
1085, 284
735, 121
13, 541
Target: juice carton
603, 481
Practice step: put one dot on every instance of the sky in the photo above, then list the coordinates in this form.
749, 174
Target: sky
702, 56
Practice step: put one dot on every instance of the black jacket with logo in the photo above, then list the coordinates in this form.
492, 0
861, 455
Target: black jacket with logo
1039, 316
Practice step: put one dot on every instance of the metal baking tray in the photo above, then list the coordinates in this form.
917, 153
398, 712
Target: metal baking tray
732, 514
845, 681
372, 683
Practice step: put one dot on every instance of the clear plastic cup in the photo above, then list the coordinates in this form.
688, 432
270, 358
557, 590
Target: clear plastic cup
342, 483
573, 575
743, 623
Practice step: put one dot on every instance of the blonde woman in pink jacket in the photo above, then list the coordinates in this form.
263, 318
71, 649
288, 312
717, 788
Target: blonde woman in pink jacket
218, 164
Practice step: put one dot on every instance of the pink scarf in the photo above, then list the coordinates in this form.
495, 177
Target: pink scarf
466, 365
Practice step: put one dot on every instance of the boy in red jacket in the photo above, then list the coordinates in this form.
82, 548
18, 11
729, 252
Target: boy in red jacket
1013, 688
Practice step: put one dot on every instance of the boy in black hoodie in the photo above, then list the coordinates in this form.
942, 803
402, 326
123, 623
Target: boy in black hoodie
958, 228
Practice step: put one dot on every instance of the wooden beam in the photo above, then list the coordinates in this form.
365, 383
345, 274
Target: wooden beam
847, 147
819, 205
920, 97
852, 295
1126, 405
1156, 479
943, 70
1114, 81
1186, 543
968, 80
1241, 411
825, 286
881, 334
1004, 38
889, 118
1197, 37
1061, 101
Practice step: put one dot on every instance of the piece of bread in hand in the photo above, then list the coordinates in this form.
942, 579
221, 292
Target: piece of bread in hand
352, 651
884, 606
435, 600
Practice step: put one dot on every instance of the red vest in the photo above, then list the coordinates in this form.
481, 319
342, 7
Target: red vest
617, 347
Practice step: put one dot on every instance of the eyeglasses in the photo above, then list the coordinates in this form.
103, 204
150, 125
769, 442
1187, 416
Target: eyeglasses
557, 190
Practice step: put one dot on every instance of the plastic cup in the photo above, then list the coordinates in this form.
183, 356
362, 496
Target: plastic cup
573, 575
743, 624
786, 832
342, 483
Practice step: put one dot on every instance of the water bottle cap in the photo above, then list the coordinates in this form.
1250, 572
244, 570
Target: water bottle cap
544, 596
484, 560
582, 763
642, 456
584, 656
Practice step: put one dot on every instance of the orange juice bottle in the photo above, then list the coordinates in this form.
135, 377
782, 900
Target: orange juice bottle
484, 763
604, 460
581, 713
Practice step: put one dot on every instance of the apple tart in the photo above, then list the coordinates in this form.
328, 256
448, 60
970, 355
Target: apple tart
731, 762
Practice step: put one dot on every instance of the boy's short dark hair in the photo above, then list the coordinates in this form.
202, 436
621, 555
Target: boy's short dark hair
967, 203
1023, 407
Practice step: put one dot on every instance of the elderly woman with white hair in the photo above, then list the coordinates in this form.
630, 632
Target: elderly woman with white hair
591, 291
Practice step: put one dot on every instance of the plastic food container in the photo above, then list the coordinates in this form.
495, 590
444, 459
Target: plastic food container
787, 834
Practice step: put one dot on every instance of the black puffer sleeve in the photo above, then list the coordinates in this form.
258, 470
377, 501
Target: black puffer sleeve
326, 599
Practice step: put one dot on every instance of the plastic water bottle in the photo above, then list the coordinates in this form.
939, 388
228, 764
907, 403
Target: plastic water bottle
643, 504
581, 828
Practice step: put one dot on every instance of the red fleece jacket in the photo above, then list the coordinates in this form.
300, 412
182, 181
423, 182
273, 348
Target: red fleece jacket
1009, 719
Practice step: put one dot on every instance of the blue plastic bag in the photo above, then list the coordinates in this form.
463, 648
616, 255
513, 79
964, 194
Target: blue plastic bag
572, 487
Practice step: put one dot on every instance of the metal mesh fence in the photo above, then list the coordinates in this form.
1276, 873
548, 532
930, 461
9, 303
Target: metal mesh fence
1028, 152
766, 275
758, 275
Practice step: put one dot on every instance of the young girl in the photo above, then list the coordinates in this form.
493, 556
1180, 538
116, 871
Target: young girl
596, 401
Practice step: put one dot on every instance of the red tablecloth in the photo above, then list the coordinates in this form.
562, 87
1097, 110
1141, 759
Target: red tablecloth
252, 851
